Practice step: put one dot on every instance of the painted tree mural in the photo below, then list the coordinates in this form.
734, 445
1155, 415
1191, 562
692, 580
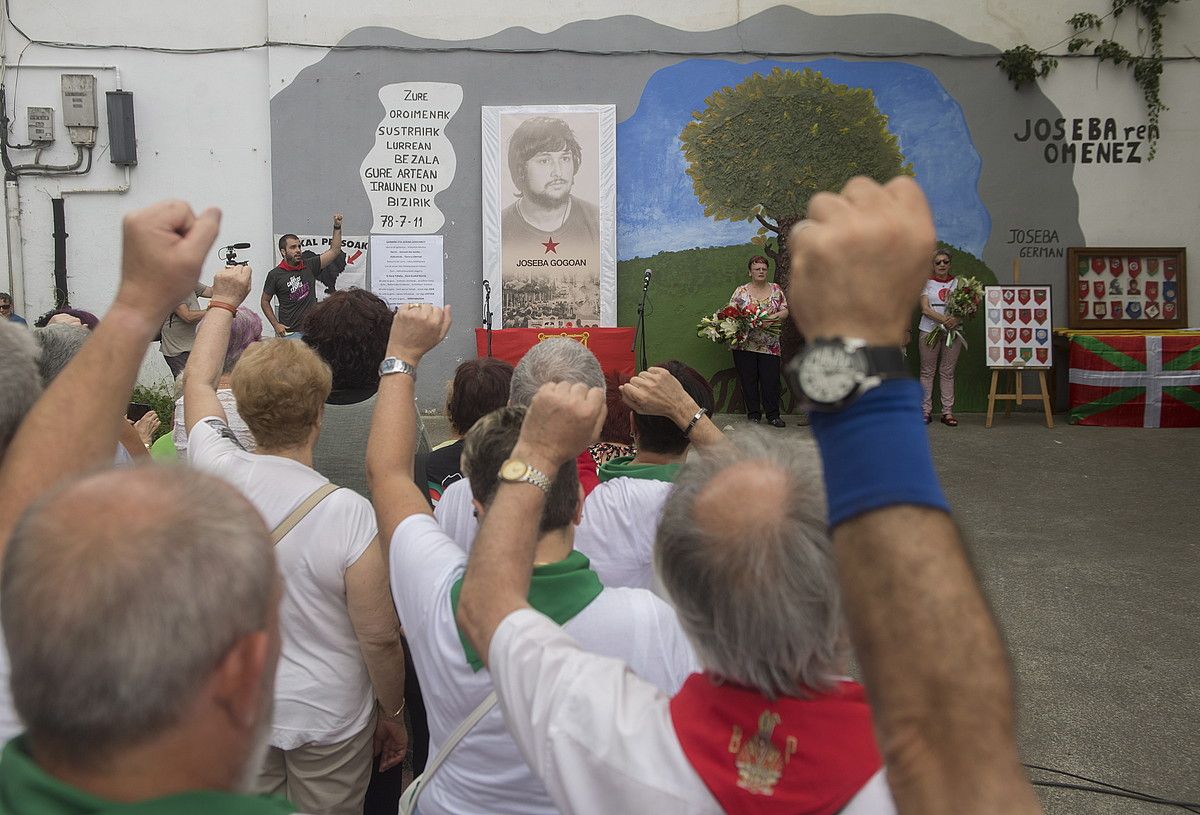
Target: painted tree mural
761, 149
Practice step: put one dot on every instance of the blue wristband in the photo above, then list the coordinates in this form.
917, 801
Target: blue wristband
876, 453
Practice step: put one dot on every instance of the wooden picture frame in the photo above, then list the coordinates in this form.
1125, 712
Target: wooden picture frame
1120, 287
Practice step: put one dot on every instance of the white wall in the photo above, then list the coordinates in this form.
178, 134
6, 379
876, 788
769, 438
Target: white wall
202, 133
203, 119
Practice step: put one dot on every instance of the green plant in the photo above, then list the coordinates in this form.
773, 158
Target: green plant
1022, 64
161, 397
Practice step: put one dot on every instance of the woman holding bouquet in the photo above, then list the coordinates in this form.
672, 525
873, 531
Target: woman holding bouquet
933, 314
757, 357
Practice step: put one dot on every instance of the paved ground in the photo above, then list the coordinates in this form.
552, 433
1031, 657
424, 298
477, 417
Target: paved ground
1087, 544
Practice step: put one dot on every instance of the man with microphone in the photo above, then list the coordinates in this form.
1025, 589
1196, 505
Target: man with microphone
294, 280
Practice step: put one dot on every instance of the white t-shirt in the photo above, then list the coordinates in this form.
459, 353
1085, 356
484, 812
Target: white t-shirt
10, 724
485, 773
229, 403
455, 513
323, 693
620, 519
938, 292
601, 737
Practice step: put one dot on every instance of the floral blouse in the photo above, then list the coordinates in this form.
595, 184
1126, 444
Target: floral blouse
760, 341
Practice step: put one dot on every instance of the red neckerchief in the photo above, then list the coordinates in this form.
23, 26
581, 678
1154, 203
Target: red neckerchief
588, 477
283, 264
945, 279
791, 755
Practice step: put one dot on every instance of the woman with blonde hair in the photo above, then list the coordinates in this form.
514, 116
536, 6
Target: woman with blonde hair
340, 681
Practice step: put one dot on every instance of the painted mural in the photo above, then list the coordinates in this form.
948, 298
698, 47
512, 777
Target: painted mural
717, 153
746, 146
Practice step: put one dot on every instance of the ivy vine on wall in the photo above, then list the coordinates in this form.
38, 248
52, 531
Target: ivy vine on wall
1024, 65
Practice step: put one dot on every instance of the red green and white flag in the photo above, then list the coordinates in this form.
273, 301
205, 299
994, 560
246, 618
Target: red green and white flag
1135, 381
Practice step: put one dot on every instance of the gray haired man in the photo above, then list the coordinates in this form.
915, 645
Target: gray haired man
139, 605
557, 359
20, 380
743, 552
143, 646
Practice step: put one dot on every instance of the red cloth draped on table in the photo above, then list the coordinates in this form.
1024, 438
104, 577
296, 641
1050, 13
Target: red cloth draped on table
612, 346
1147, 380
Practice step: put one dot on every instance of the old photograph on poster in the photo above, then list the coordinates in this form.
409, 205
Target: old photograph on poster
549, 190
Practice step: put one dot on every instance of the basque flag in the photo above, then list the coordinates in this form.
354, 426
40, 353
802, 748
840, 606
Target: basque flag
1136, 381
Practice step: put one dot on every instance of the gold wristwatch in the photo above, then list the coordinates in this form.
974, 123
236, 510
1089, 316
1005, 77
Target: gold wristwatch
514, 471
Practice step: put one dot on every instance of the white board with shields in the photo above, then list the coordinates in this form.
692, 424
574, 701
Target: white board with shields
1017, 327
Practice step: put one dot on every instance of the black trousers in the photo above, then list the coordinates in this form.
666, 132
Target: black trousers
177, 363
759, 377
383, 793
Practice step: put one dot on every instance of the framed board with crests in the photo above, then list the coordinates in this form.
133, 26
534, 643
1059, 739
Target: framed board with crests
1127, 287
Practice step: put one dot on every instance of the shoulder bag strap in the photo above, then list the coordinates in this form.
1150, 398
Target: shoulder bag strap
286, 525
408, 802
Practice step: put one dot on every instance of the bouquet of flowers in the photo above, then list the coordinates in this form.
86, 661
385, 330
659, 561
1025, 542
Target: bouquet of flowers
962, 304
732, 325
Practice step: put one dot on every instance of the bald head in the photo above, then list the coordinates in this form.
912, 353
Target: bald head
744, 553
121, 592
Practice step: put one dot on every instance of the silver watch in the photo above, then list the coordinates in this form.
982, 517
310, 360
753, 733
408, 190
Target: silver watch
830, 373
395, 365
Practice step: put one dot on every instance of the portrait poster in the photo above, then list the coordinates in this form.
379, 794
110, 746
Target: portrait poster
549, 214
1017, 326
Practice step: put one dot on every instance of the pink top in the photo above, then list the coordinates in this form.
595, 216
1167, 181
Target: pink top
760, 341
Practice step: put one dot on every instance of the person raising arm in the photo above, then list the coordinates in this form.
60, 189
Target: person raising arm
934, 662
74, 426
294, 280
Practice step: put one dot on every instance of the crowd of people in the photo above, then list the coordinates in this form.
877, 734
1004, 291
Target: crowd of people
639, 615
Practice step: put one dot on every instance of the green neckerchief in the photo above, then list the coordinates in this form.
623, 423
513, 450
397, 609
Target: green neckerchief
558, 590
25, 789
624, 467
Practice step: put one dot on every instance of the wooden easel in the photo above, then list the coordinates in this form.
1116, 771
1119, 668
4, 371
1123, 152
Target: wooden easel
1017, 395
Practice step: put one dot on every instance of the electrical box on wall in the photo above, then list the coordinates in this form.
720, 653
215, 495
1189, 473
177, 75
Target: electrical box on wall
122, 140
79, 107
41, 124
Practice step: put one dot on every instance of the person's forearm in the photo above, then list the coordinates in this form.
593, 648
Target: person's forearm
945, 724
80, 411
373, 616
192, 316
390, 446
498, 572
384, 657
208, 352
264, 304
933, 314
335, 246
132, 442
704, 433
930, 651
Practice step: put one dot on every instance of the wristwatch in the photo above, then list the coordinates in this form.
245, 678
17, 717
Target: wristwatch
395, 365
831, 373
514, 471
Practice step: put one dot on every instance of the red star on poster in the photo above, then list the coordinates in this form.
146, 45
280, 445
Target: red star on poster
551, 246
